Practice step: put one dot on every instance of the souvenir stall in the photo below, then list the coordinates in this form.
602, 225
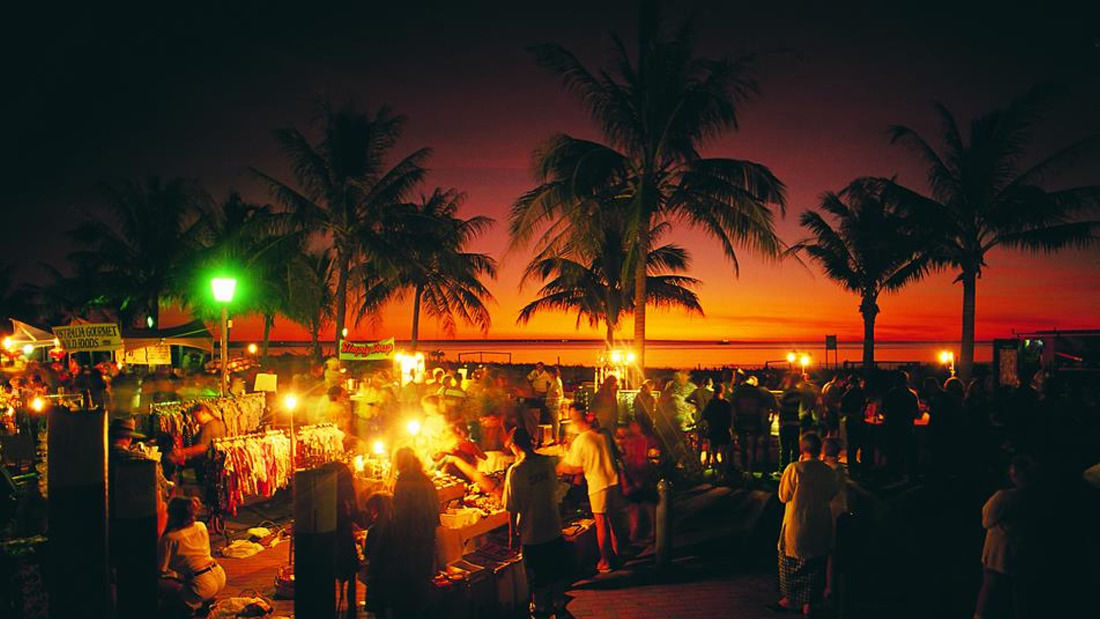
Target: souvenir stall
479, 574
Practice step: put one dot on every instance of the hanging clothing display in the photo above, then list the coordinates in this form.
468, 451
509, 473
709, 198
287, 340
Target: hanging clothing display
241, 415
254, 465
258, 465
318, 444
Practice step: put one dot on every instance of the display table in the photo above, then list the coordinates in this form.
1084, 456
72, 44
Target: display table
452, 544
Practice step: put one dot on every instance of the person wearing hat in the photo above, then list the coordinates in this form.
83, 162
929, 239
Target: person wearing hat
122, 433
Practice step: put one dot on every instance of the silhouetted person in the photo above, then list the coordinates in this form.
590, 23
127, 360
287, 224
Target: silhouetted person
853, 405
899, 409
1008, 556
718, 414
416, 517
807, 489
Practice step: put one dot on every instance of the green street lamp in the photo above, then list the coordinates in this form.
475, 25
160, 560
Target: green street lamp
223, 288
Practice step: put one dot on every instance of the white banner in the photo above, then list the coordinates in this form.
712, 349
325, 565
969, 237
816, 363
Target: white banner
160, 354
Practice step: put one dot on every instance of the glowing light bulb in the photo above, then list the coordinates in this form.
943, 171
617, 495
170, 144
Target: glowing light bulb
359, 464
290, 401
28, 349
378, 448
413, 427
630, 357
946, 357
791, 357
616, 357
252, 348
37, 404
804, 361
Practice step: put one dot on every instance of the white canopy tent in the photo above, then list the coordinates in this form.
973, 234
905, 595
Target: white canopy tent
24, 334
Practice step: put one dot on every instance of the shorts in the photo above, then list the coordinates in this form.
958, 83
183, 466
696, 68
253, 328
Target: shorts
604, 501
546, 562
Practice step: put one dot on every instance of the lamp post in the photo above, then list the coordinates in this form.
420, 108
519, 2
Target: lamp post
223, 288
804, 361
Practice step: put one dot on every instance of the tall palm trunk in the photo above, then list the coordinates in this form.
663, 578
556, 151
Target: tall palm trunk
315, 340
966, 353
343, 264
269, 321
640, 294
869, 309
610, 334
415, 337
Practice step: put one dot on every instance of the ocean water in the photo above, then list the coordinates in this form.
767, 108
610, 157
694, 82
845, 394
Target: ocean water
673, 354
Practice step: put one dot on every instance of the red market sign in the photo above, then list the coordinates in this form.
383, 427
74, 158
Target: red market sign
367, 351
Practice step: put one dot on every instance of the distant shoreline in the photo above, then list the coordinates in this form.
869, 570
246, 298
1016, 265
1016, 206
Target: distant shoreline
732, 343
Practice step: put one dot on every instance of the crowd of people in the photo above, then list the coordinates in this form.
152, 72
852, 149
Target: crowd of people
876, 429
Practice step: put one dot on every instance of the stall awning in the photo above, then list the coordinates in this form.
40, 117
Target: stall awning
193, 334
23, 333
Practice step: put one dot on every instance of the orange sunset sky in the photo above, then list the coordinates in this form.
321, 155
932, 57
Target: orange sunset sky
201, 104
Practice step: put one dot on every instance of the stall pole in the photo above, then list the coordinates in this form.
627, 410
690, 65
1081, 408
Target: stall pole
315, 549
77, 514
225, 349
133, 534
664, 524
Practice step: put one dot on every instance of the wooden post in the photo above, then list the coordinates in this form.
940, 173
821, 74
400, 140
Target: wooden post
133, 534
663, 534
77, 578
315, 543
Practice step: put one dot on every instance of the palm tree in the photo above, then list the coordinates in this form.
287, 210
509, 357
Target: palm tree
871, 248
427, 257
344, 185
258, 244
655, 111
310, 300
982, 197
16, 300
138, 247
591, 282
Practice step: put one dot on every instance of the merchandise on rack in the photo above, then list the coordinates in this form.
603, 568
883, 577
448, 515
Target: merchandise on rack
252, 465
240, 415
318, 444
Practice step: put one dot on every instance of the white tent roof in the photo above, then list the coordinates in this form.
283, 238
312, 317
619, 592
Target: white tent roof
23, 333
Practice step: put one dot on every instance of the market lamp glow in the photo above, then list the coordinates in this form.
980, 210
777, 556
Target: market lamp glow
223, 288
804, 361
413, 427
252, 348
8, 344
946, 357
28, 349
290, 402
791, 357
37, 404
378, 448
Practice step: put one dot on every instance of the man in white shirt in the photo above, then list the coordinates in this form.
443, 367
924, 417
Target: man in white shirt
540, 380
591, 455
531, 497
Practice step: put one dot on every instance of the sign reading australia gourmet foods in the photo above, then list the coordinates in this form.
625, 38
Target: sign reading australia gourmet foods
89, 337
366, 351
